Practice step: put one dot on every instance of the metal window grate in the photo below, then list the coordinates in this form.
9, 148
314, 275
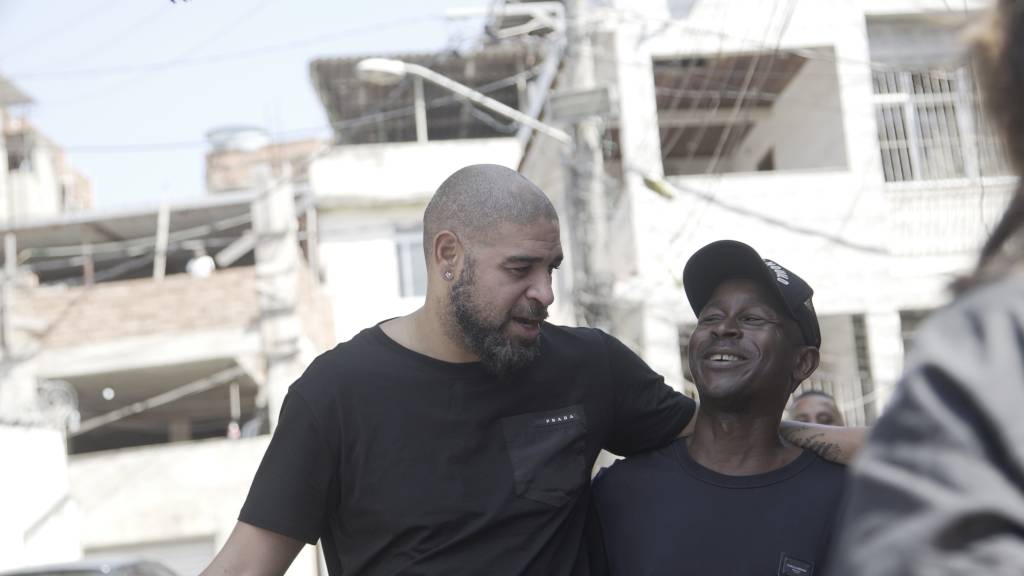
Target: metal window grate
928, 129
412, 272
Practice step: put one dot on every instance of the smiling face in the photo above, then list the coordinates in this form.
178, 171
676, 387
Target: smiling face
745, 352
503, 291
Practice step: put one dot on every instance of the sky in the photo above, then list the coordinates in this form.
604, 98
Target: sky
129, 88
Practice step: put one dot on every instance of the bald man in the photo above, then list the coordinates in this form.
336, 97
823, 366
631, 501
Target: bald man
458, 439
816, 406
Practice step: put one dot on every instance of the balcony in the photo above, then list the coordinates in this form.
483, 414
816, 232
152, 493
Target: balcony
119, 345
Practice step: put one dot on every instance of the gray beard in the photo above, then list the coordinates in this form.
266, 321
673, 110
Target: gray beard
497, 352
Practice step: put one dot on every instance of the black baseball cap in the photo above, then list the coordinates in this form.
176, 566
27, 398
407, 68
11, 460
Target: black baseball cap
725, 259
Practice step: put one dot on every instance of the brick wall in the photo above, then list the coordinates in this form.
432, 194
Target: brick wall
177, 305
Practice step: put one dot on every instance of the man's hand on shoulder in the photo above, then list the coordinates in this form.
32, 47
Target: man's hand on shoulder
835, 443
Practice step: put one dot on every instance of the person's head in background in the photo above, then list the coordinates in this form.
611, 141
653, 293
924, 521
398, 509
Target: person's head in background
998, 50
817, 407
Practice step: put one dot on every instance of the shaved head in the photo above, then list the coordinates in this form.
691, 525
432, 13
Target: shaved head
475, 200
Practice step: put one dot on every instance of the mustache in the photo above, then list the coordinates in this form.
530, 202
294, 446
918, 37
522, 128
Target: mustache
532, 311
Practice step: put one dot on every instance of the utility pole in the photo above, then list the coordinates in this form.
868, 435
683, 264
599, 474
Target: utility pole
277, 267
586, 190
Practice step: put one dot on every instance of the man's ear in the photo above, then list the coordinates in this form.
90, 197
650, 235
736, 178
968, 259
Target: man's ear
447, 252
807, 360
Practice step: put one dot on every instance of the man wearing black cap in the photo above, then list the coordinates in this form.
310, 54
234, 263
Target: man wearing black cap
733, 498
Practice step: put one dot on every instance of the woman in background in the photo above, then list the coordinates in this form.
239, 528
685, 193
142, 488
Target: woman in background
940, 487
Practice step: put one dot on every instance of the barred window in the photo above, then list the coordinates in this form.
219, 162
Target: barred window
930, 128
412, 270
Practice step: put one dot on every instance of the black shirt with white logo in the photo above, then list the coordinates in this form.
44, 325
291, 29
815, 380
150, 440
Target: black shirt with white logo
403, 464
663, 513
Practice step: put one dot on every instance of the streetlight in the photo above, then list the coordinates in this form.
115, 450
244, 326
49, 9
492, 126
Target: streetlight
385, 71
584, 168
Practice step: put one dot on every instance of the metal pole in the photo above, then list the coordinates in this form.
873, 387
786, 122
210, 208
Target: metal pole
277, 265
162, 231
421, 110
486, 101
201, 385
313, 240
586, 193
236, 402
7, 294
88, 265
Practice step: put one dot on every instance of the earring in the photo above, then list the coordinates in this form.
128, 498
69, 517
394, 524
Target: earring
448, 275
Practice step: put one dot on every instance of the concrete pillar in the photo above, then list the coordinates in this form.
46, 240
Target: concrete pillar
277, 263
5, 185
650, 283
885, 350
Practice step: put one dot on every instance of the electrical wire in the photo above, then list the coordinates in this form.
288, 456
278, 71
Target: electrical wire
133, 81
219, 58
62, 30
367, 119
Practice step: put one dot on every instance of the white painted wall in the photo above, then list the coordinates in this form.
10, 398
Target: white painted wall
867, 248
805, 128
150, 351
33, 194
941, 7
399, 171
40, 522
359, 254
154, 497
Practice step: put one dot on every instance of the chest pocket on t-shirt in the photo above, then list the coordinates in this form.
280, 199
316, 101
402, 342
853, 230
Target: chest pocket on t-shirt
547, 450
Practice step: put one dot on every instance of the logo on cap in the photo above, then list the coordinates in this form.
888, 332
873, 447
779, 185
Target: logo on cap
781, 275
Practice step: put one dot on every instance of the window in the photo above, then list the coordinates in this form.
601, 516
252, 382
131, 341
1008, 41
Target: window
412, 270
19, 158
928, 129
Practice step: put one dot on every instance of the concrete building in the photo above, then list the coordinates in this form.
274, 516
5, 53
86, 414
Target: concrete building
373, 184
163, 380
162, 370
40, 521
242, 157
36, 181
843, 139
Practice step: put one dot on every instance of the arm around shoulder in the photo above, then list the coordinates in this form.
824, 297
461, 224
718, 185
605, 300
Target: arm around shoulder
835, 443
252, 551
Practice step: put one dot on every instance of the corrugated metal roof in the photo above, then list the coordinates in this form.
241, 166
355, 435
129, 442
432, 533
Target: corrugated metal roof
362, 113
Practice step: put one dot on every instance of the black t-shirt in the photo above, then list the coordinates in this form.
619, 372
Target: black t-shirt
404, 464
663, 513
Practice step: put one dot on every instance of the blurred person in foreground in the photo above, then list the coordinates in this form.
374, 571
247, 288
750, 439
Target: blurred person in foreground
459, 439
734, 497
816, 406
940, 488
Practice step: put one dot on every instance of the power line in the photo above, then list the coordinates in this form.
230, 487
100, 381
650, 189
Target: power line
63, 29
219, 58
116, 38
666, 189
693, 218
366, 119
206, 41
749, 43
